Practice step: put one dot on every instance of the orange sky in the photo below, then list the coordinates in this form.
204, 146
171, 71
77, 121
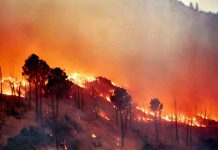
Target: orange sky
152, 54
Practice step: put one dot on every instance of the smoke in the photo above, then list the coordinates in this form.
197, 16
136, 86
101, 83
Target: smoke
153, 48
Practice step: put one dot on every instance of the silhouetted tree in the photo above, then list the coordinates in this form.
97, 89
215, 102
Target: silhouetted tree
57, 86
31, 69
122, 101
156, 107
44, 72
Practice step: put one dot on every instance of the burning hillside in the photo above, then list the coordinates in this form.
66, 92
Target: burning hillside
89, 75
103, 111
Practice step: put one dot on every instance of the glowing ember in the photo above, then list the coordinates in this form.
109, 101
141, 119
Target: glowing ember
108, 99
80, 79
93, 135
103, 115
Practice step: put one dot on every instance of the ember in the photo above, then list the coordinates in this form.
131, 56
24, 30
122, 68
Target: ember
93, 135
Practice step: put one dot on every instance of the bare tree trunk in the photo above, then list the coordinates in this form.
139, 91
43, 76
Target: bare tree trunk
191, 135
57, 106
82, 99
40, 106
156, 127
19, 94
36, 94
78, 97
126, 121
30, 89
187, 134
171, 129
53, 106
122, 129
177, 135
130, 115
116, 116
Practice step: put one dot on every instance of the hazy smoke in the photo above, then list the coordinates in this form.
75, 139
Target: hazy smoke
153, 48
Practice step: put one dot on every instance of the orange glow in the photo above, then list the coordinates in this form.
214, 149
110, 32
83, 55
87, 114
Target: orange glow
108, 99
181, 118
93, 135
8, 82
80, 79
103, 115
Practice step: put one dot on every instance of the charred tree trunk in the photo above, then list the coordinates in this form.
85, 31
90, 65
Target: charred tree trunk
116, 111
57, 106
171, 131
126, 121
36, 96
53, 106
122, 129
176, 124
56, 133
191, 135
130, 113
156, 126
40, 105
187, 134
30, 89
82, 101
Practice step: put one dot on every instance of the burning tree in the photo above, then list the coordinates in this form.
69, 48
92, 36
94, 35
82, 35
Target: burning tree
156, 107
122, 101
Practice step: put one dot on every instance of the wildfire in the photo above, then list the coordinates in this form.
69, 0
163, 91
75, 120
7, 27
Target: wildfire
80, 79
181, 118
10, 84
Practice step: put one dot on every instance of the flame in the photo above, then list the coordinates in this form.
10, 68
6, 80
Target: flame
7, 82
103, 115
80, 79
181, 118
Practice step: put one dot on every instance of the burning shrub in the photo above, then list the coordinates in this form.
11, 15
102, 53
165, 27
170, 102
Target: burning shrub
29, 139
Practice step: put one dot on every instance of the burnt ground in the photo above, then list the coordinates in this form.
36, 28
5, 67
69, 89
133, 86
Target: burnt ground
74, 129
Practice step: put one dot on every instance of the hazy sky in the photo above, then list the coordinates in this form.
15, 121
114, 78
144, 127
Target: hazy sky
206, 5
